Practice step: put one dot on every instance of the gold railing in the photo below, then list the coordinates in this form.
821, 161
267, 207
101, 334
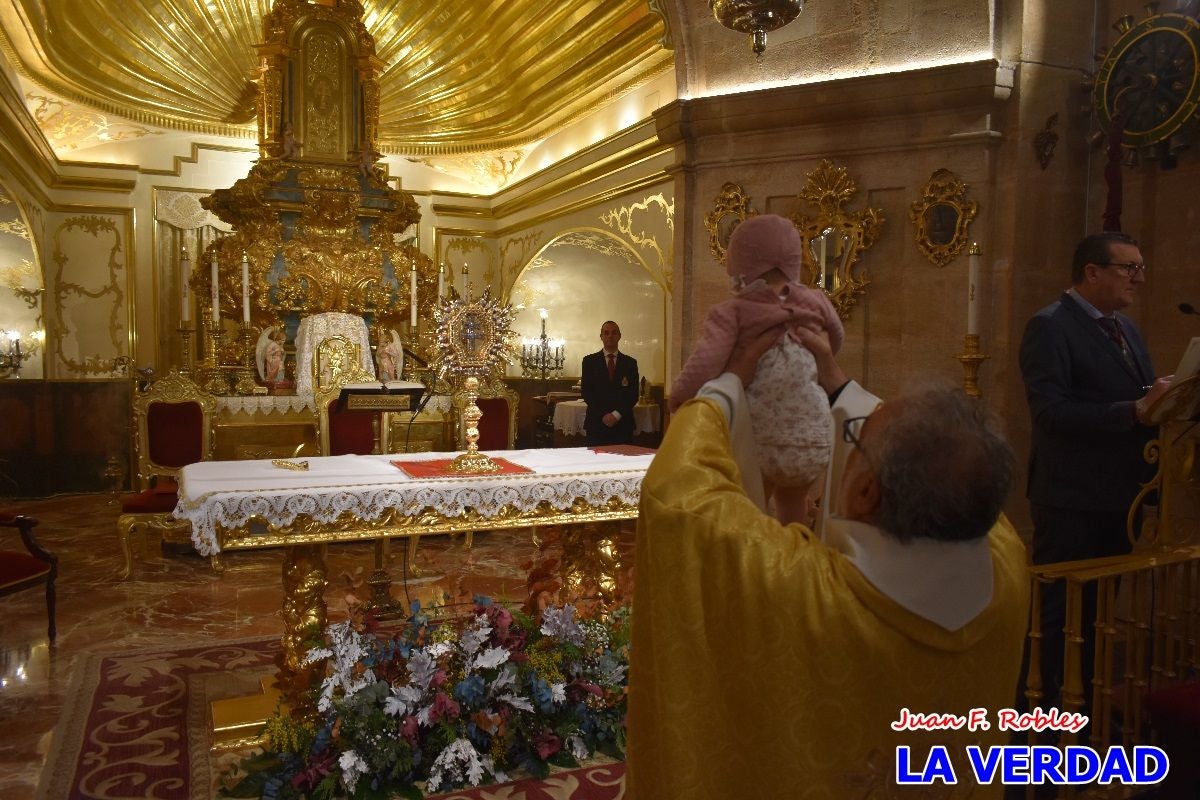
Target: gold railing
1147, 634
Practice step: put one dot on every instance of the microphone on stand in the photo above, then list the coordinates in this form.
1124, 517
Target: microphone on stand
420, 407
1188, 308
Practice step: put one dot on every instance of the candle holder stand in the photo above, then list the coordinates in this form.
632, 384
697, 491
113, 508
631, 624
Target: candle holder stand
244, 375
186, 357
472, 462
970, 359
212, 378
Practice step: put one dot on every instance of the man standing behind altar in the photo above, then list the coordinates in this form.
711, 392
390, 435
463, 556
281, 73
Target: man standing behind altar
769, 663
609, 385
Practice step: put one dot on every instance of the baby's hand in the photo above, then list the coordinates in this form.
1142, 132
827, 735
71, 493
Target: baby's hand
817, 342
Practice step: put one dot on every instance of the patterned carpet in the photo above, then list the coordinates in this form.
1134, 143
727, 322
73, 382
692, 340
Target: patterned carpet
136, 725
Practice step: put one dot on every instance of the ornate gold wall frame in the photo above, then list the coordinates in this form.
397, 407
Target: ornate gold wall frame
834, 237
942, 216
731, 207
108, 289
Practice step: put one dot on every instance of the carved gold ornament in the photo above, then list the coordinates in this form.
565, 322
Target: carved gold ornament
835, 237
731, 207
105, 231
943, 217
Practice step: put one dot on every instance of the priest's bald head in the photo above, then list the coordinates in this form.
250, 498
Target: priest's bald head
928, 464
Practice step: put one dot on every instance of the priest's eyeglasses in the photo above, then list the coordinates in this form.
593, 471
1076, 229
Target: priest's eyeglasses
852, 429
1128, 268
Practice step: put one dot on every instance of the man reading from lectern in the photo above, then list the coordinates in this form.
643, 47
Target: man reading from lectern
1087, 375
768, 662
609, 385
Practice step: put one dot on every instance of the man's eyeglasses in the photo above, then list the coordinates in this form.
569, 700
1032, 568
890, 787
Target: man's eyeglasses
1128, 268
852, 430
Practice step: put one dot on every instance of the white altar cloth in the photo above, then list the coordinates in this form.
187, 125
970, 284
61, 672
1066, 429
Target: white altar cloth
229, 493
569, 414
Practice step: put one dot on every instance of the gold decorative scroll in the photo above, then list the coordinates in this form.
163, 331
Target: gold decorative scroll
730, 208
942, 217
846, 234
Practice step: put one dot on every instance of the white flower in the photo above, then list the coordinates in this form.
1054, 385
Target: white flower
506, 678
473, 638
490, 658
516, 701
316, 654
578, 748
421, 668
558, 692
402, 700
460, 761
353, 768
439, 649
560, 623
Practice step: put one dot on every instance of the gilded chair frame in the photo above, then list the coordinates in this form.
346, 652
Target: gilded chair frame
490, 387
174, 387
340, 351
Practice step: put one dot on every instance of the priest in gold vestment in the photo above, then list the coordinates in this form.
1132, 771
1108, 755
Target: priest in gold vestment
770, 663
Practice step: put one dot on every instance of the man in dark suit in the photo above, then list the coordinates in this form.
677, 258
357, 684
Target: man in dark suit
610, 388
1087, 378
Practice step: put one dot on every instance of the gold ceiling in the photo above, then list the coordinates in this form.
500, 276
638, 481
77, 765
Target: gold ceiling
461, 76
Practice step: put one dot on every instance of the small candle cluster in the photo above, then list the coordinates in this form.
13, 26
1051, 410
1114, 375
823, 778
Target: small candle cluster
543, 356
12, 358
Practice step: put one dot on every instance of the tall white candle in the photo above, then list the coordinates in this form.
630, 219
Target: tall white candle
441, 280
216, 296
821, 260
973, 290
413, 296
185, 269
245, 289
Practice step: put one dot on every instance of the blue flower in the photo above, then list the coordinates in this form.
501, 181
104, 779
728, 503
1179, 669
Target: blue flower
470, 691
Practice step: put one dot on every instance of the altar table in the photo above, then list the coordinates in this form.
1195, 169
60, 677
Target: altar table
349, 498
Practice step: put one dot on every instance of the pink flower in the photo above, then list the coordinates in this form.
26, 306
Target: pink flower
438, 680
546, 744
408, 729
444, 707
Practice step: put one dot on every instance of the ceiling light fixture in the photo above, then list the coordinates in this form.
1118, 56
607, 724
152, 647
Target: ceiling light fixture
755, 17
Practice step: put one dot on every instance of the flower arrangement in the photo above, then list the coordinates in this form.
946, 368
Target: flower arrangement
447, 704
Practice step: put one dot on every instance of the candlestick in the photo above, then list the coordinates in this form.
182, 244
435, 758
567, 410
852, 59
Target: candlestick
216, 301
821, 260
413, 297
441, 280
466, 285
245, 290
185, 269
973, 289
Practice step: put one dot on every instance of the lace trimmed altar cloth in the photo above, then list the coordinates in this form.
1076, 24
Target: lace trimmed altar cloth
229, 493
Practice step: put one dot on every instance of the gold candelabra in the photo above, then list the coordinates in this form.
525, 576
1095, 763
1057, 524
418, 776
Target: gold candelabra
970, 359
472, 461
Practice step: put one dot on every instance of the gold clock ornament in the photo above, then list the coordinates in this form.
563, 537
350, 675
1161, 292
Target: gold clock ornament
1148, 83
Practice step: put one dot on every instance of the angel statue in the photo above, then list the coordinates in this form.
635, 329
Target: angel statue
389, 358
269, 356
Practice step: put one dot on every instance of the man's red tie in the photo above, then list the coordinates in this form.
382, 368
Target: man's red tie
612, 366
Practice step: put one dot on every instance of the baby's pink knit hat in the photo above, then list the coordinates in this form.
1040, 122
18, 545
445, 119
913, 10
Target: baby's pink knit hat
762, 242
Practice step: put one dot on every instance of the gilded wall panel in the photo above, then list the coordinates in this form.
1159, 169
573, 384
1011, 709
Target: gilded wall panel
88, 315
21, 293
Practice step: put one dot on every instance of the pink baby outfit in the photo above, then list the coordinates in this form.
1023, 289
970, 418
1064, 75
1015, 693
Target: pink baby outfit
789, 412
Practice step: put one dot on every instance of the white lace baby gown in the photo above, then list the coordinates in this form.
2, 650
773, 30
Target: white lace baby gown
789, 415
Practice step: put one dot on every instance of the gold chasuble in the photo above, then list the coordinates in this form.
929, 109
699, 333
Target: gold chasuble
764, 665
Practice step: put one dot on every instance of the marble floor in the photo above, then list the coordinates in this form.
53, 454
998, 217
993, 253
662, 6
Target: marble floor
176, 599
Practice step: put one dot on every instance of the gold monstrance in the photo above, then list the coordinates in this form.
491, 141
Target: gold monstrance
474, 340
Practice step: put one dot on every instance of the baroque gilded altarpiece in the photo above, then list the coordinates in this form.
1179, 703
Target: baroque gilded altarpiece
319, 225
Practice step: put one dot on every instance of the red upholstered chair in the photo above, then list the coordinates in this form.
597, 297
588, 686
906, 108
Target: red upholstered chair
174, 428
344, 432
33, 567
